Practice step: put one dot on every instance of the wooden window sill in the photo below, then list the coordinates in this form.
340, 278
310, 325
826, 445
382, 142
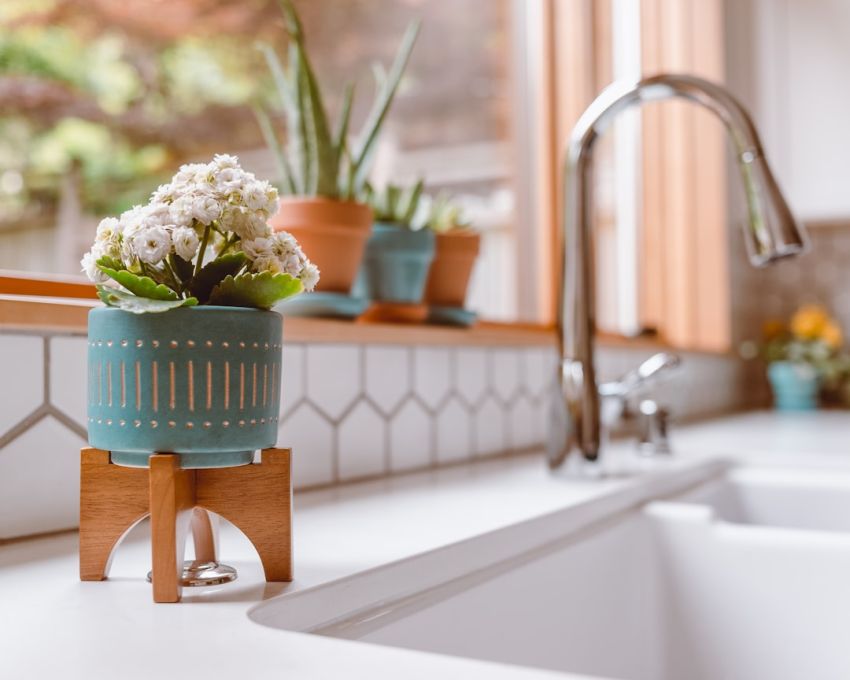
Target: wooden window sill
40, 313
53, 303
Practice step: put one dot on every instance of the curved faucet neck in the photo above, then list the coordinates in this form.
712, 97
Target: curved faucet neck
622, 95
766, 241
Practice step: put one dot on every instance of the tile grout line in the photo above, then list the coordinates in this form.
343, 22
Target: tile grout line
23, 426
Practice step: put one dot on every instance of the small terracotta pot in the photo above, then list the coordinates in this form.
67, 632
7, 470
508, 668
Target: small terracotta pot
448, 279
332, 233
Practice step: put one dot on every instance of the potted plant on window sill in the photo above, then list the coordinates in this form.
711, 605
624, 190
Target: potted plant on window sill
803, 357
457, 248
320, 175
185, 357
398, 256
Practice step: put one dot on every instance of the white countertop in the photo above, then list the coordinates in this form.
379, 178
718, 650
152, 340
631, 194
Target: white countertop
51, 624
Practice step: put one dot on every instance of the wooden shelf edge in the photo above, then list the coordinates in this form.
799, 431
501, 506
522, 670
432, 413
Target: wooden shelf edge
33, 314
50, 314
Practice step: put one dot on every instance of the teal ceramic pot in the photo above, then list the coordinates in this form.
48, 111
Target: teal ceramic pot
203, 382
795, 386
396, 263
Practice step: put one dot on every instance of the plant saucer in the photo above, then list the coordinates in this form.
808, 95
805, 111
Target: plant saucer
323, 304
451, 316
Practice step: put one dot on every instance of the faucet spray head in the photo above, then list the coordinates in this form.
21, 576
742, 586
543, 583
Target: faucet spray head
771, 232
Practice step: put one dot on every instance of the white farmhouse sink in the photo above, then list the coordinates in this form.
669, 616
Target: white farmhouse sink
789, 497
746, 576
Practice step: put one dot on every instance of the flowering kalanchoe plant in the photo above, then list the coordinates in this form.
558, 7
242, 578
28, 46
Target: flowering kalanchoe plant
202, 239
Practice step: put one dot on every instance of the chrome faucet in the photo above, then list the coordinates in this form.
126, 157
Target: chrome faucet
770, 234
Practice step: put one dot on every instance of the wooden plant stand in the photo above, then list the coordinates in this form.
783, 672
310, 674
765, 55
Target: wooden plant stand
113, 499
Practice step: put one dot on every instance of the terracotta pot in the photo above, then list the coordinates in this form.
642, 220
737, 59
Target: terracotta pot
332, 233
452, 266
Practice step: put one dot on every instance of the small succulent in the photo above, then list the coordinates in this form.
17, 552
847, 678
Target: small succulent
317, 161
396, 205
445, 215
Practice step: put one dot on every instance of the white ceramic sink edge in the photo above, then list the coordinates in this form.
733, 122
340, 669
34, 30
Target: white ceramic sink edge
648, 582
375, 593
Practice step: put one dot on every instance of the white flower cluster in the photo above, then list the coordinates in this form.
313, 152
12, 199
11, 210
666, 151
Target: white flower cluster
280, 252
219, 197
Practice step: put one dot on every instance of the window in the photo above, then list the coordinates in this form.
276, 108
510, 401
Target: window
660, 216
102, 100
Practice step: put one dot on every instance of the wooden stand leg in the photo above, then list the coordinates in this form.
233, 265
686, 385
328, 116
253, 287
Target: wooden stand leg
112, 501
258, 500
172, 498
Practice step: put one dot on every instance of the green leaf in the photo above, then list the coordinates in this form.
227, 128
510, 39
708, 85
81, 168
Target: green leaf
367, 143
183, 268
212, 273
340, 140
261, 291
141, 286
410, 202
286, 82
158, 275
110, 262
286, 90
139, 305
379, 73
284, 87
293, 23
297, 122
325, 159
267, 129
311, 141
393, 203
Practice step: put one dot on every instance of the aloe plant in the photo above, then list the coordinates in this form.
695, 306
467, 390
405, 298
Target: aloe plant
396, 204
317, 161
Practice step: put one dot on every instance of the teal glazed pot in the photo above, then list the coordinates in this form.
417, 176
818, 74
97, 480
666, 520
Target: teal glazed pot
203, 382
396, 263
795, 386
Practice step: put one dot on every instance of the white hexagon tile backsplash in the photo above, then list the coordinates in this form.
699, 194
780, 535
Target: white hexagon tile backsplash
349, 411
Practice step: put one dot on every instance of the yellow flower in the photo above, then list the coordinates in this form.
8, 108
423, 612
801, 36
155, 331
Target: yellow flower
772, 329
832, 335
809, 321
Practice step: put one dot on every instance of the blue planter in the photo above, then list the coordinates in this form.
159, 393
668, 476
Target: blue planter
795, 386
203, 382
396, 263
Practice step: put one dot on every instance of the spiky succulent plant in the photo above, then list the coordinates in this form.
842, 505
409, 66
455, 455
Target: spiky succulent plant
445, 215
317, 161
396, 205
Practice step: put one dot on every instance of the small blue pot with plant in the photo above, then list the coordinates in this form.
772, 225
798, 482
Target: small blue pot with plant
398, 254
186, 356
795, 385
803, 356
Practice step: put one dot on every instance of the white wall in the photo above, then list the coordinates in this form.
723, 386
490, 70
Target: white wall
789, 62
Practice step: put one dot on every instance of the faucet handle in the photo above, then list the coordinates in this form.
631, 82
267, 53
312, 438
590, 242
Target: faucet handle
652, 423
649, 372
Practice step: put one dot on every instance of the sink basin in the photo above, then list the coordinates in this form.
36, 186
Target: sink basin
746, 576
789, 497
